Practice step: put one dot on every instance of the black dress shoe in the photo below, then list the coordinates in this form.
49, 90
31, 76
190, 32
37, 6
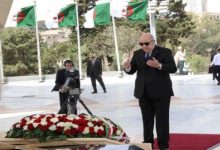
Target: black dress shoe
94, 92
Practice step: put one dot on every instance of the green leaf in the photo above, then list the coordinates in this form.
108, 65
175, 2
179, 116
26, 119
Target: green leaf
62, 137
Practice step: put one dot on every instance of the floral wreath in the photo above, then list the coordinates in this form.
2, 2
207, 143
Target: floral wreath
45, 127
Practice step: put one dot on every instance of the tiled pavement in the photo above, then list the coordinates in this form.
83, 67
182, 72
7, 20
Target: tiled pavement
194, 108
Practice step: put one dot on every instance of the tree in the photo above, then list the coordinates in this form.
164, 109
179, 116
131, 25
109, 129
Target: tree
206, 35
19, 51
174, 25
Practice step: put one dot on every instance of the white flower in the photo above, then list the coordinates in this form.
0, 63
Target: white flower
75, 126
54, 120
60, 124
86, 130
43, 121
95, 119
71, 116
118, 132
36, 116
90, 124
27, 118
52, 128
59, 115
25, 127
31, 121
96, 128
77, 118
35, 125
67, 125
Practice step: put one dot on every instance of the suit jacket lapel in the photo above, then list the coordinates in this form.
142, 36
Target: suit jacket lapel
142, 56
154, 52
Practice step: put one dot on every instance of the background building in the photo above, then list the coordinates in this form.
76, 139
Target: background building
52, 37
204, 7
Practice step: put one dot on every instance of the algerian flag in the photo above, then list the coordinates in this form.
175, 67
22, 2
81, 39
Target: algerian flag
51, 21
99, 15
134, 10
26, 17
67, 16
118, 7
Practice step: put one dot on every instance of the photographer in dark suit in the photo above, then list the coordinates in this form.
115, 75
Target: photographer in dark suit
94, 71
61, 78
153, 87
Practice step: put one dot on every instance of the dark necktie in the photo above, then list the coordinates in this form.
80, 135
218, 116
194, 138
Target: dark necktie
147, 56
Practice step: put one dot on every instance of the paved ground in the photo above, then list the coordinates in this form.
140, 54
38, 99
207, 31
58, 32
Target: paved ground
194, 108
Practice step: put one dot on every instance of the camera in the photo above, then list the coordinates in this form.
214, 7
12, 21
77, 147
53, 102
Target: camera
72, 82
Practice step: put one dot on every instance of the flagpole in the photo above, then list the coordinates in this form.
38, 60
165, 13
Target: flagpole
1, 65
38, 45
116, 48
78, 39
152, 10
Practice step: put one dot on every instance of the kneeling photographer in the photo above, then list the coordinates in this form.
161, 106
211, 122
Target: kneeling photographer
68, 84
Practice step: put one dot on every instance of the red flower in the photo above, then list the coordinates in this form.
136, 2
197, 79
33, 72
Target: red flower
82, 122
23, 123
42, 127
38, 120
30, 126
91, 130
81, 129
62, 118
101, 132
59, 129
70, 132
114, 129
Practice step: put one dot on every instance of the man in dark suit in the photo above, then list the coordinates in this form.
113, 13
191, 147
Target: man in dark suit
60, 85
153, 87
212, 54
94, 71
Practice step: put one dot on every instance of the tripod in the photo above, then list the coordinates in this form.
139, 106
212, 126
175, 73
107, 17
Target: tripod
71, 101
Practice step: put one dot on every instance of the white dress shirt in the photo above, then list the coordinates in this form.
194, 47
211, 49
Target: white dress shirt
216, 60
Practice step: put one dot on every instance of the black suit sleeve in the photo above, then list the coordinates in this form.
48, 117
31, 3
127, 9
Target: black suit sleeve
60, 79
133, 68
168, 63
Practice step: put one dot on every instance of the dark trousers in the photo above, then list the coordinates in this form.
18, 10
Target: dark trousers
99, 79
181, 66
159, 109
216, 71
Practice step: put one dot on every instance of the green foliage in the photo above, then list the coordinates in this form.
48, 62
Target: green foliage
174, 25
53, 57
198, 64
206, 35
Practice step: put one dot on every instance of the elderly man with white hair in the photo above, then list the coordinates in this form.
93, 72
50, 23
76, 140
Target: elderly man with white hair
153, 87
180, 59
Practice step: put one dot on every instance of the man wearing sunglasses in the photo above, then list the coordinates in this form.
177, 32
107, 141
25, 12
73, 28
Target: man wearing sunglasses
94, 71
153, 87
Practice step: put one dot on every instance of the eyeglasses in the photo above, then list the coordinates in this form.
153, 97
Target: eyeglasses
145, 43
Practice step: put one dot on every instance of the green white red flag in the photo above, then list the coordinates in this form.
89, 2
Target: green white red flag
67, 16
135, 10
26, 17
99, 15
